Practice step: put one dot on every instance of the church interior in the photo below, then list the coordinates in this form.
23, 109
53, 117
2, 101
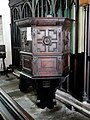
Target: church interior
45, 60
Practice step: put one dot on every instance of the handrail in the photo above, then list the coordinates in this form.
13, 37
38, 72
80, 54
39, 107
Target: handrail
13, 107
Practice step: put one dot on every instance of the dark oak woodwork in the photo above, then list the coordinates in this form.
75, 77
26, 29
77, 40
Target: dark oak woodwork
47, 54
10, 109
13, 2
22, 9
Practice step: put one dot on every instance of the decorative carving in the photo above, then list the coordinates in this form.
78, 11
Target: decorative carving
38, 31
55, 31
25, 45
47, 40
47, 66
33, 32
66, 40
49, 49
35, 58
26, 63
59, 58
24, 36
35, 65
59, 30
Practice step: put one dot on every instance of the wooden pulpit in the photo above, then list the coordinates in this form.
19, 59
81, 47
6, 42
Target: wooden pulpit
45, 55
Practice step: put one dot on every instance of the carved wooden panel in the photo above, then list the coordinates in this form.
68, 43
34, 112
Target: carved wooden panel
27, 63
47, 39
50, 65
35, 65
49, 48
63, 63
65, 41
47, 66
25, 44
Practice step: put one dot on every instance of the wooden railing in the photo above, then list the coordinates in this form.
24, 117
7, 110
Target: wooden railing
11, 110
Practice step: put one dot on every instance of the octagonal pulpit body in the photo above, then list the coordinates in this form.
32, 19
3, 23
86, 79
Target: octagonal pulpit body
45, 49
47, 53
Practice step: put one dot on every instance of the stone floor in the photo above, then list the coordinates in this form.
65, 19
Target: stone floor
27, 102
